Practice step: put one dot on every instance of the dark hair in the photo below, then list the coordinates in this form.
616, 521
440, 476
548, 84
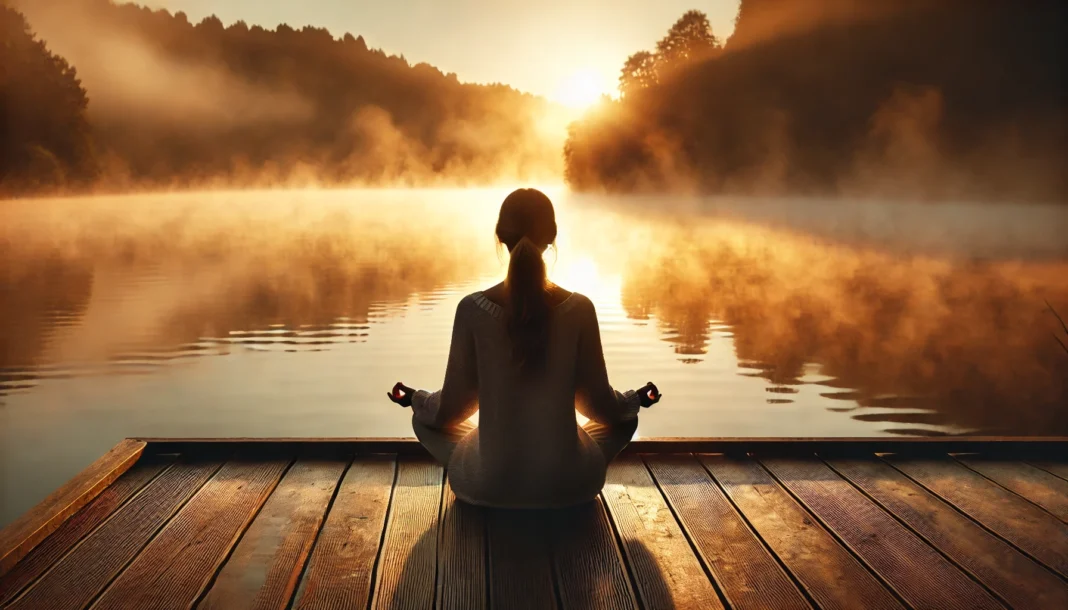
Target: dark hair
527, 226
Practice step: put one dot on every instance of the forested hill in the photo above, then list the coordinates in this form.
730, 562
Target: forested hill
934, 99
44, 133
173, 103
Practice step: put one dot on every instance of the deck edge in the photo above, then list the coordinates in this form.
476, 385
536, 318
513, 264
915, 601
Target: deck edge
1015, 447
22, 535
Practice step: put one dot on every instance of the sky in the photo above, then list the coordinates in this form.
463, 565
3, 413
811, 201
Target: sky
568, 50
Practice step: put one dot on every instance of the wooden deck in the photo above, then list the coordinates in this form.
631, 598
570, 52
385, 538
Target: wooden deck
728, 523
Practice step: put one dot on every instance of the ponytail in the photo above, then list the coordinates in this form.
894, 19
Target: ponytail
527, 225
528, 309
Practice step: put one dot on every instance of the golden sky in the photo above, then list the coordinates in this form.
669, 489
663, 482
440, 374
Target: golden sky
568, 50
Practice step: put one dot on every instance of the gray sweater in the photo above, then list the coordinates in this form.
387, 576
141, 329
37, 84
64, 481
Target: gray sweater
528, 450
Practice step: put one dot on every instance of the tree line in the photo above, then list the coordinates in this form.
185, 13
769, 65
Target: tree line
46, 136
912, 98
166, 102
935, 99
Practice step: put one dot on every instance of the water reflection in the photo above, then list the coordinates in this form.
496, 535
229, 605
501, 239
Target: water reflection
906, 337
903, 337
130, 284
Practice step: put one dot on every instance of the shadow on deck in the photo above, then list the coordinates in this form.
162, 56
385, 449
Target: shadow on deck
742, 523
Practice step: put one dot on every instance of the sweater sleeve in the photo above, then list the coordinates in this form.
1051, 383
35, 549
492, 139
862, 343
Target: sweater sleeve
595, 398
457, 399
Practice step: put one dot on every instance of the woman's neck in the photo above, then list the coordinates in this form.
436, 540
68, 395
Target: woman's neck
498, 294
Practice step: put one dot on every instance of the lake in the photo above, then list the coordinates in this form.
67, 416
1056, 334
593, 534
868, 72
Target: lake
290, 313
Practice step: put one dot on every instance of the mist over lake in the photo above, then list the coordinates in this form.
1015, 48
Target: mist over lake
287, 313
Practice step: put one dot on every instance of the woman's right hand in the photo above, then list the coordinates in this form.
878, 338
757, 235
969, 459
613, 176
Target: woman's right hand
649, 395
401, 395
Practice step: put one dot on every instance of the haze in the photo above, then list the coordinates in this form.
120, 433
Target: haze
548, 48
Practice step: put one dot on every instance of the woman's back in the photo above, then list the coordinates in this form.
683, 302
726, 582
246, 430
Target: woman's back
528, 450
520, 410
527, 355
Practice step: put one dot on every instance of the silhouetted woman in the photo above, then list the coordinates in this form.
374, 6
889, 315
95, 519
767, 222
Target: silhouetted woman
525, 354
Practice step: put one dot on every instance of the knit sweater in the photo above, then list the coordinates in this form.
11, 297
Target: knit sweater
528, 450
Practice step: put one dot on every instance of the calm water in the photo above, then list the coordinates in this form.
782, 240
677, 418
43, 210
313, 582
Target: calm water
289, 314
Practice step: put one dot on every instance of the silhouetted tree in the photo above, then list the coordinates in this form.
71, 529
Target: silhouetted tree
688, 39
823, 97
639, 72
46, 141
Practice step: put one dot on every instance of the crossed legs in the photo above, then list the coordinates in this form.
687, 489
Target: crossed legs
441, 442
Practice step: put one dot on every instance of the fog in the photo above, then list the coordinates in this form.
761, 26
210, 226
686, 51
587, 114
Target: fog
128, 75
174, 105
889, 200
911, 304
906, 306
914, 100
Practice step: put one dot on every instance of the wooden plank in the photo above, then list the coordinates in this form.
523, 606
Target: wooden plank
520, 565
266, 448
1025, 525
180, 561
832, 577
408, 560
84, 572
342, 563
1034, 484
266, 565
461, 555
1013, 576
1058, 469
588, 563
746, 572
26, 532
920, 575
665, 569
1011, 447
52, 548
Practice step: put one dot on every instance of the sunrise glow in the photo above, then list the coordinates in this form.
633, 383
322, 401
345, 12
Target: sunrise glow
581, 89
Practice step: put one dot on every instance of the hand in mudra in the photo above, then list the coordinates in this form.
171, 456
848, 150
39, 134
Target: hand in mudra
401, 394
649, 395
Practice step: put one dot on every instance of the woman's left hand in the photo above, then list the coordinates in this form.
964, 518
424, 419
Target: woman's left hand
401, 395
649, 395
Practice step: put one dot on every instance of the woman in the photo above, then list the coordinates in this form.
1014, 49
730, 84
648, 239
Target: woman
525, 354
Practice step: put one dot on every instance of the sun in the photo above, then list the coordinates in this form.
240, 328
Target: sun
580, 89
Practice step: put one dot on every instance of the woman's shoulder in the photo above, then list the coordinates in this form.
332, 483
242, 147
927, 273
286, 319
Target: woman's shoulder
478, 301
483, 300
576, 301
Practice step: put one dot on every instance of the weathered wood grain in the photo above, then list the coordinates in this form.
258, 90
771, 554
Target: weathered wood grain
589, 567
1034, 484
342, 562
1002, 523
666, 571
21, 536
1025, 525
52, 548
408, 560
1011, 575
176, 566
461, 555
1058, 469
921, 576
746, 572
832, 577
83, 573
263, 570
